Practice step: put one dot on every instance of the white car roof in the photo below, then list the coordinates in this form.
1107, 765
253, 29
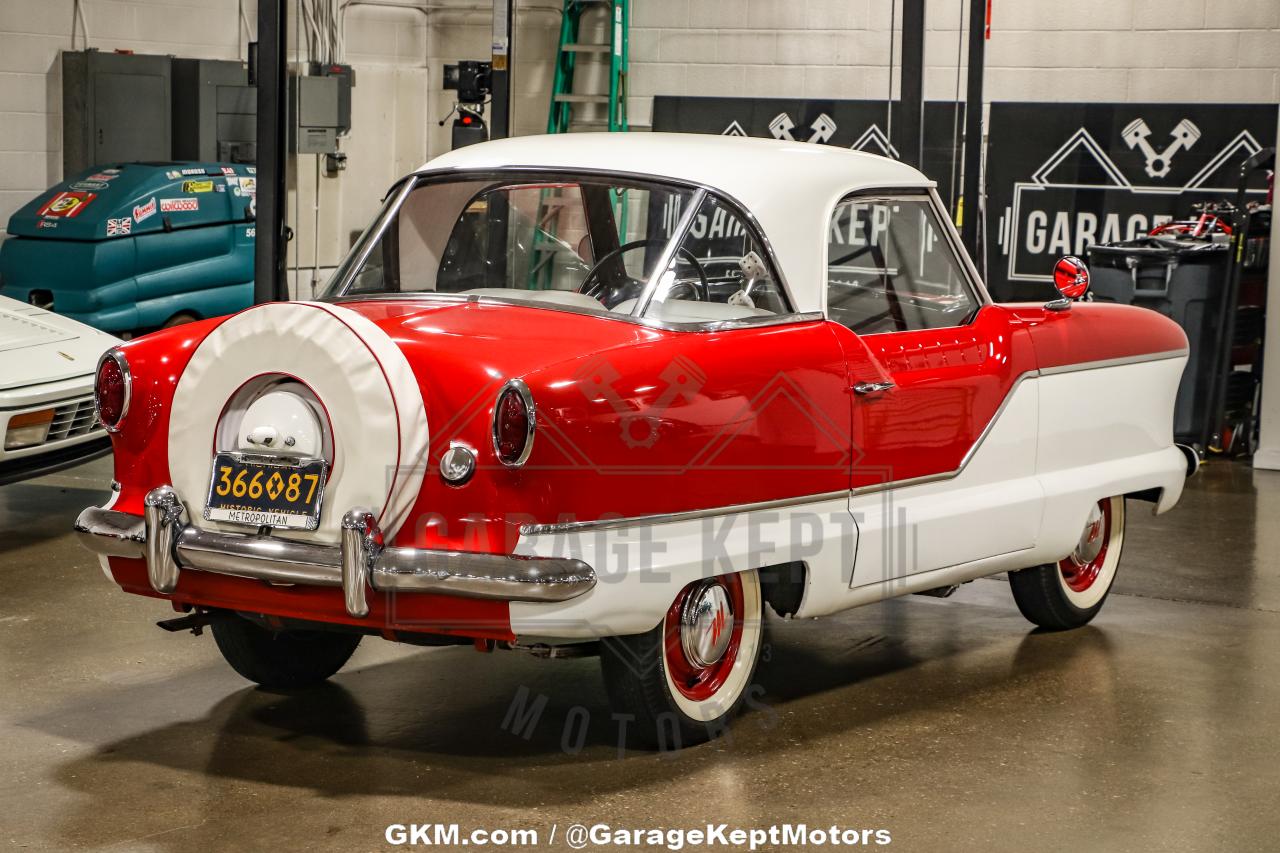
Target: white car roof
789, 187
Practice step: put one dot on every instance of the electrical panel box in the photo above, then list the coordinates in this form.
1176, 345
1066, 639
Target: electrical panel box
346, 77
215, 111
314, 104
116, 108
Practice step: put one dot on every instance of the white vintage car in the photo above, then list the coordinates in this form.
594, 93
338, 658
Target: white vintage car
620, 393
47, 365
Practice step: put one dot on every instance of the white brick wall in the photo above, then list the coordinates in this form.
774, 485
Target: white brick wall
1080, 50
1104, 50
1112, 50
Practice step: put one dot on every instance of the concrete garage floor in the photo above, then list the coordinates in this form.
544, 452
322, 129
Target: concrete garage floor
947, 722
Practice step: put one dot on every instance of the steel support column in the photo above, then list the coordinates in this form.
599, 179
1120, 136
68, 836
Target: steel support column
910, 127
973, 147
271, 77
504, 39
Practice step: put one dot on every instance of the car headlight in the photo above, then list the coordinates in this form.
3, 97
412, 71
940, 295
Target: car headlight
28, 429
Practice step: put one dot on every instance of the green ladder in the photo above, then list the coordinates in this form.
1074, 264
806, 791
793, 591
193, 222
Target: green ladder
615, 49
567, 99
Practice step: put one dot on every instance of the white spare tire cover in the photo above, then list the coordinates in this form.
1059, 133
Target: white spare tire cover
363, 381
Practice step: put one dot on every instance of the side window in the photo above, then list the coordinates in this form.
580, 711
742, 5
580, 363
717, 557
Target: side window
531, 236
890, 269
720, 272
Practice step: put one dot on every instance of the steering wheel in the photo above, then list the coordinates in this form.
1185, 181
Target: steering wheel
596, 289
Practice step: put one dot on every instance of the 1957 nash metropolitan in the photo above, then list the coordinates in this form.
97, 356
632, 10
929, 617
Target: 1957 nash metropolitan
617, 393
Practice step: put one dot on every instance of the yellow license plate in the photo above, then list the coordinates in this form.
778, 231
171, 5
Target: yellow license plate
266, 491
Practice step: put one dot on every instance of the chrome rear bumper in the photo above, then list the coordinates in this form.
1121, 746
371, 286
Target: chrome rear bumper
170, 547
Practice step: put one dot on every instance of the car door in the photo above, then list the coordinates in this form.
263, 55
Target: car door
944, 428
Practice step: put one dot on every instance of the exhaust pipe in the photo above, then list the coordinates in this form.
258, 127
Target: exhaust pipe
1193, 459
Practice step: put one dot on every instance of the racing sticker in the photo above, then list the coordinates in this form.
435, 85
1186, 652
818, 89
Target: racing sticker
119, 227
142, 212
197, 186
199, 171
66, 205
173, 175
104, 175
179, 205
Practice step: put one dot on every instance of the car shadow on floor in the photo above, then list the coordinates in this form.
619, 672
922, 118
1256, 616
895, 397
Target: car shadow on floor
427, 726
33, 513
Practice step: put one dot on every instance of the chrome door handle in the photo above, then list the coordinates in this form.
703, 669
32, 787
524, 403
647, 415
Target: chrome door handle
871, 387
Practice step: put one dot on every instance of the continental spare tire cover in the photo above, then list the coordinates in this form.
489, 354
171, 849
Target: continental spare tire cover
371, 401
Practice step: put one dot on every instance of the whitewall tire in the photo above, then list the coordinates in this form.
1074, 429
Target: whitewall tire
684, 680
1070, 592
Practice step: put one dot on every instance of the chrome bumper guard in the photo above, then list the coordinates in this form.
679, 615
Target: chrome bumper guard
169, 547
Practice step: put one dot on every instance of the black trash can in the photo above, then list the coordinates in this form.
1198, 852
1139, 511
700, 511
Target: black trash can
1185, 280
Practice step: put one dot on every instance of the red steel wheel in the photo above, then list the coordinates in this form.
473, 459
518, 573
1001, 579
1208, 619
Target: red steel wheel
1070, 592
683, 680
1081, 568
702, 634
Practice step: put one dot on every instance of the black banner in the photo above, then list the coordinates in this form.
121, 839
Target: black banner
1063, 176
860, 125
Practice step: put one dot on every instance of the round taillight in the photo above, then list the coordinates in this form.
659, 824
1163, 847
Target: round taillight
513, 423
111, 389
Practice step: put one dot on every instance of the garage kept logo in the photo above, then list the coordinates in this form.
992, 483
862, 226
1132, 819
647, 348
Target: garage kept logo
858, 125
1061, 177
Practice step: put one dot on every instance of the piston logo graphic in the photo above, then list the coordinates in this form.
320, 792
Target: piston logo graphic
823, 127
1138, 135
682, 378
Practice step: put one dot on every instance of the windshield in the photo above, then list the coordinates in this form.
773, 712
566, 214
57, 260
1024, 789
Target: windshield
596, 244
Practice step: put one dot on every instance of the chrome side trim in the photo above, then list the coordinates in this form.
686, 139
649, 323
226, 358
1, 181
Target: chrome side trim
670, 517
1113, 362
666, 326
666, 518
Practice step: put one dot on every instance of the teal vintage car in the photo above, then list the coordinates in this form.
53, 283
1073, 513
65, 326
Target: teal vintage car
131, 247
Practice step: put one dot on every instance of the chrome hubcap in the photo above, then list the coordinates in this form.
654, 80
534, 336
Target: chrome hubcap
706, 625
1091, 541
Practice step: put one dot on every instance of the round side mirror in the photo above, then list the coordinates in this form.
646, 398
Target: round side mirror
1071, 277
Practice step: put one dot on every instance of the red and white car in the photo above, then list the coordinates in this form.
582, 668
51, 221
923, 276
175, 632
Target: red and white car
618, 393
